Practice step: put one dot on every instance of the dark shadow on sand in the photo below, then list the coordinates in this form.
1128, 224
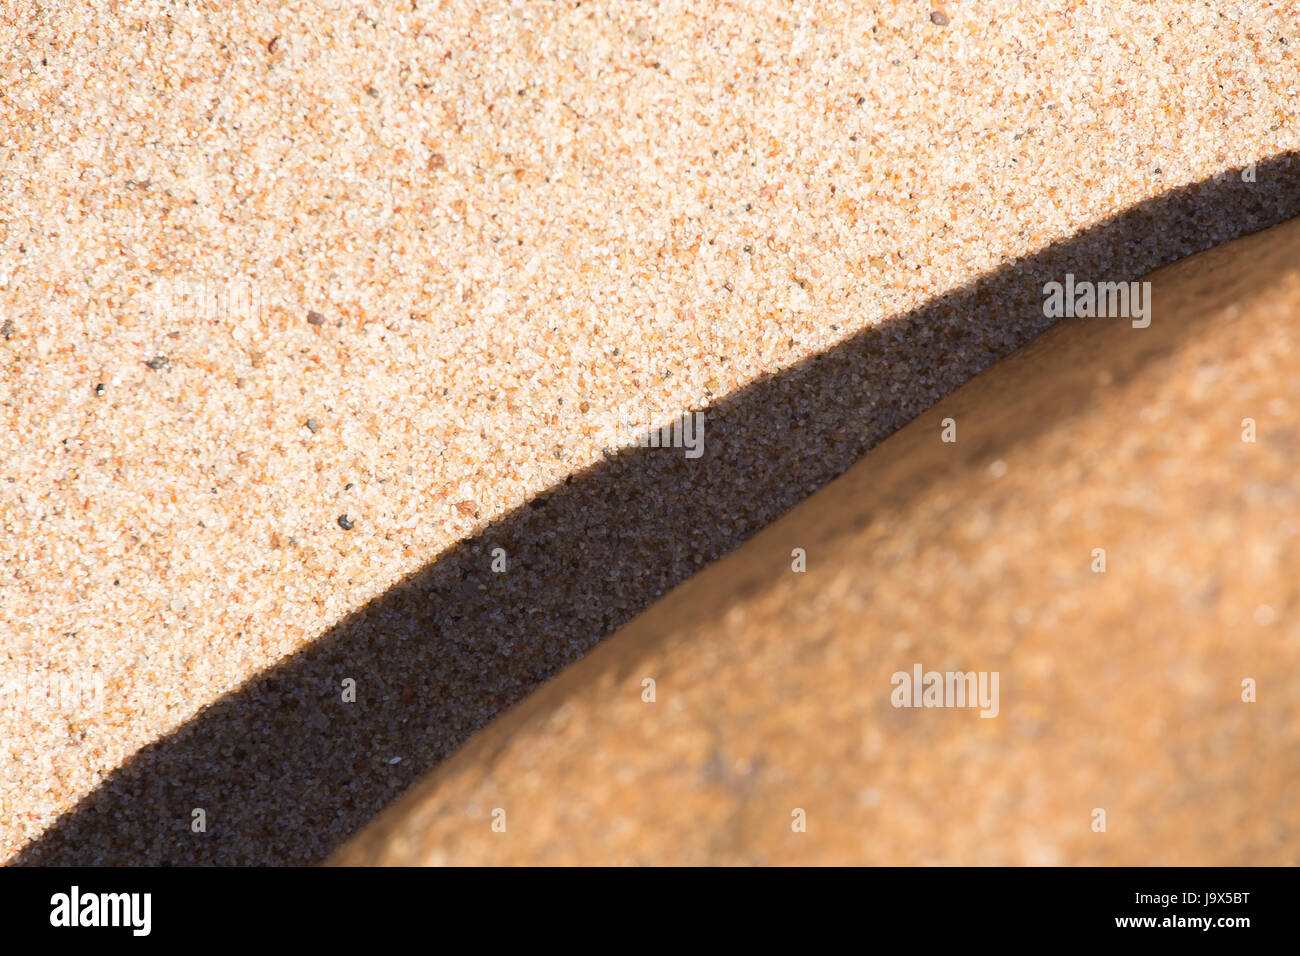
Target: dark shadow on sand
286, 771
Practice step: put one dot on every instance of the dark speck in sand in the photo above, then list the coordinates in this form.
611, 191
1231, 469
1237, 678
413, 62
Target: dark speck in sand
346, 523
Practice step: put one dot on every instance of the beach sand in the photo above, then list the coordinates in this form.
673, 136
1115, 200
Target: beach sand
298, 298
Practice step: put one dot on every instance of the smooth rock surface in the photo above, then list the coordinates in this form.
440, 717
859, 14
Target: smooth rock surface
1119, 691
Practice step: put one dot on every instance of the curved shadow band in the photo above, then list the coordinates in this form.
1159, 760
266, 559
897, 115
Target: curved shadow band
287, 773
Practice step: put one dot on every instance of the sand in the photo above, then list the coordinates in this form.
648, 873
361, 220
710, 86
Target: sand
297, 299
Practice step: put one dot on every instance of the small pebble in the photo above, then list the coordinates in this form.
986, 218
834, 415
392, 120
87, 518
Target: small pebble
100, 389
346, 523
939, 18
159, 362
313, 426
315, 318
8, 329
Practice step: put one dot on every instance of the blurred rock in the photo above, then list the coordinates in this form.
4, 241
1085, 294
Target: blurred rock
1119, 690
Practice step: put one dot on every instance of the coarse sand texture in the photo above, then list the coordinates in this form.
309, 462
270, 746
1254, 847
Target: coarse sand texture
298, 298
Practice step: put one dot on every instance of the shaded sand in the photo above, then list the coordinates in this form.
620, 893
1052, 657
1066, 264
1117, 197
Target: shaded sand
1120, 684
403, 269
